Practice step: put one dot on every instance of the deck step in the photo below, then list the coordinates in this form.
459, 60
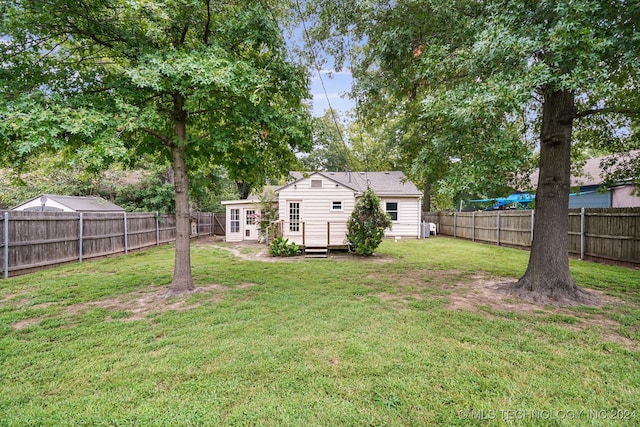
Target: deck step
316, 252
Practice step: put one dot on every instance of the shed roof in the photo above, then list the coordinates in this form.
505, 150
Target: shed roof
82, 203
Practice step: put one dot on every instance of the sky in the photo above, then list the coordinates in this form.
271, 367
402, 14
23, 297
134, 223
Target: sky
337, 84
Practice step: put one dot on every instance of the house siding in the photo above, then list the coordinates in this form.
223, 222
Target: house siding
408, 222
590, 200
316, 211
624, 197
239, 236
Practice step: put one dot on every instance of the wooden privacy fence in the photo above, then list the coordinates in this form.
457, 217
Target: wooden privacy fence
611, 234
33, 240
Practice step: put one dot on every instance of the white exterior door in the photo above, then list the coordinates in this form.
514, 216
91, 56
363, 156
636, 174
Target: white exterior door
250, 225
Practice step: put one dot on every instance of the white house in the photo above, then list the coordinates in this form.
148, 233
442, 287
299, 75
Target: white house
314, 208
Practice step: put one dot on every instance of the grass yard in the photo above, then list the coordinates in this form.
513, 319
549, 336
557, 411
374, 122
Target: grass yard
416, 335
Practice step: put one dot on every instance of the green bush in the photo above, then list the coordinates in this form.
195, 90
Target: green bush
366, 225
282, 247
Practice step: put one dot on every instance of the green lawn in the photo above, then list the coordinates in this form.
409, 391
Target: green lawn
408, 337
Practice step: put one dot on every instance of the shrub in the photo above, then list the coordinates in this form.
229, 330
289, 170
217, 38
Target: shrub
365, 228
282, 247
268, 214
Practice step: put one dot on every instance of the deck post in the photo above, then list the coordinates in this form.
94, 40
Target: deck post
303, 233
328, 233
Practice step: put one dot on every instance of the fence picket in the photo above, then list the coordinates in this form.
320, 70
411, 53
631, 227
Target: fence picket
35, 240
611, 234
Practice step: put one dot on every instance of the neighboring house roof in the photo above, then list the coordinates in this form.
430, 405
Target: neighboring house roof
392, 183
78, 203
591, 174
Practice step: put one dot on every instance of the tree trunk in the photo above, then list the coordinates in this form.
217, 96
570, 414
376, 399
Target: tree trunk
182, 280
426, 199
547, 279
244, 189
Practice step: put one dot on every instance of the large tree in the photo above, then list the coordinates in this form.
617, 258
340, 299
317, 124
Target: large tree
198, 82
487, 77
331, 151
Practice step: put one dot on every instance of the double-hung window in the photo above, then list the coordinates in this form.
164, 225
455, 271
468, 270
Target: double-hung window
235, 220
392, 209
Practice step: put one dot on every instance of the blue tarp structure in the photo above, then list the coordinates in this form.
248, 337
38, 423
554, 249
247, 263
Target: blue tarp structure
520, 200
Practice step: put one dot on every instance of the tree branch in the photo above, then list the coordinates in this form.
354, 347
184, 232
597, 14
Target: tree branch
162, 137
593, 111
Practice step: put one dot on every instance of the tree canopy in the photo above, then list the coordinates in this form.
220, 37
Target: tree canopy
198, 83
487, 84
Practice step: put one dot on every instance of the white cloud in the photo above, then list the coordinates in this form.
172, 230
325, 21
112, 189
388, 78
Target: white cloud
336, 85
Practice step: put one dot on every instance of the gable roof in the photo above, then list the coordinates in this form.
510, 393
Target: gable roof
391, 183
81, 203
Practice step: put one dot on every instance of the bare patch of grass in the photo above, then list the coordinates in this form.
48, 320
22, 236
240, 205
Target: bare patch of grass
492, 297
21, 324
141, 304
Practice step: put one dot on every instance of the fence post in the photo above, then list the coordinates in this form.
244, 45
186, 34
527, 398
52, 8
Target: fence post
454, 225
581, 233
498, 229
6, 245
328, 234
197, 223
157, 229
126, 240
473, 226
80, 237
210, 223
532, 220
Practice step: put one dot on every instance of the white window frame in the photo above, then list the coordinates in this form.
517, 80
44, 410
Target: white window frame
294, 216
234, 220
335, 203
250, 217
389, 211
